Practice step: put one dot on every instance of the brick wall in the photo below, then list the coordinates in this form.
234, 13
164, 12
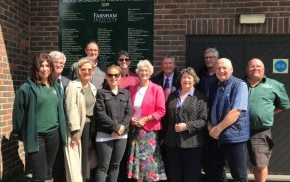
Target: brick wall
174, 19
14, 42
43, 25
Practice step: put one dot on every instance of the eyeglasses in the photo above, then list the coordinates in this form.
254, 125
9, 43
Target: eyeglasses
209, 57
113, 75
58, 62
124, 59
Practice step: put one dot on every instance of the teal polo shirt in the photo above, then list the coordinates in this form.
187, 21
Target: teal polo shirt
264, 98
47, 103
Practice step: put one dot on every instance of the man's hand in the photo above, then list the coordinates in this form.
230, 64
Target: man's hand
215, 132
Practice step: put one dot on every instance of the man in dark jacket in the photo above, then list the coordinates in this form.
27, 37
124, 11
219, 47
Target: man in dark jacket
168, 77
207, 74
229, 124
59, 59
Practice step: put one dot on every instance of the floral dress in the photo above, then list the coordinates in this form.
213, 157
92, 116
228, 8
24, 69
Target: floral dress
145, 157
145, 162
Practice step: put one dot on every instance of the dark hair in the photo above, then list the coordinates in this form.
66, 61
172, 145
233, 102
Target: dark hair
37, 60
92, 41
125, 53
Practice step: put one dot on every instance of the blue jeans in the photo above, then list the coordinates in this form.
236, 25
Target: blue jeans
109, 156
236, 156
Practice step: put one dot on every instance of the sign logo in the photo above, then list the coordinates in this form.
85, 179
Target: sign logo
280, 66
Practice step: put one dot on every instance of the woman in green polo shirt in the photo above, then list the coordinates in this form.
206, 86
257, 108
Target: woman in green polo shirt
38, 117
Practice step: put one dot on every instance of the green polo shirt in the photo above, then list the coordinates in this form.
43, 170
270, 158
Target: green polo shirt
264, 98
47, 103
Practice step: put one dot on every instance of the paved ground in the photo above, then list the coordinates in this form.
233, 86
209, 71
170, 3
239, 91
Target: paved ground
271, 178
23, 178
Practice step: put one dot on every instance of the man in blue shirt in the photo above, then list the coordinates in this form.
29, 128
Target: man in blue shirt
229, 124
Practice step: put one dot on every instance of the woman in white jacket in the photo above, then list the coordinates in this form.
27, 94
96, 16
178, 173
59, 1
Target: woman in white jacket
80, 103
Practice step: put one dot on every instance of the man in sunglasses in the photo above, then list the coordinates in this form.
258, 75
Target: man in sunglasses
128, 78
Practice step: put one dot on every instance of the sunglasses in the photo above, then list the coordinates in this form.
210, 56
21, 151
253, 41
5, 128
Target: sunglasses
124, 59
113, 75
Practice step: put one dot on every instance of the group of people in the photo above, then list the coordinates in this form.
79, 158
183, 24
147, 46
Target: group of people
163, 127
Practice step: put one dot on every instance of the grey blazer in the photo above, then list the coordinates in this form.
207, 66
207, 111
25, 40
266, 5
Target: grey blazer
64, 81
194, 113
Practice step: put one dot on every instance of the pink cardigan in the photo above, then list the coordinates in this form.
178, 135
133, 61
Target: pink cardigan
152, 104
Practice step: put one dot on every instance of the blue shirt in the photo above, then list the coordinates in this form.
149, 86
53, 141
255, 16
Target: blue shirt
179, 101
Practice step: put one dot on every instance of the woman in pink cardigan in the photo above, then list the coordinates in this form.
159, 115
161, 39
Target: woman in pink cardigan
145, 163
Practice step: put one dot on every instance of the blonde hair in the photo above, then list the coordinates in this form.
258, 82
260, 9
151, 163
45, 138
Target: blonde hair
83, 61
113, 67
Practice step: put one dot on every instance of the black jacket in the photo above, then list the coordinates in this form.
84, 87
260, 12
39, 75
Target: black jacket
113, 110
194, 113
158, 79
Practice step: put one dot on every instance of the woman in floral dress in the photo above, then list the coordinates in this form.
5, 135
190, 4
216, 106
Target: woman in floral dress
145, 162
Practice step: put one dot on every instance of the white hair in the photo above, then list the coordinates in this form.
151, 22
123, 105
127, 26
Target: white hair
57, 55
226, 61
145, 63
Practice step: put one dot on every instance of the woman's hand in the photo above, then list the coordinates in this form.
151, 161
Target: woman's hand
75, 139
180, 127
114, 134
134, 121
142, 122
121, 130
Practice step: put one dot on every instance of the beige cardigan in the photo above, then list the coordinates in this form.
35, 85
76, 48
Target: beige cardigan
76, 118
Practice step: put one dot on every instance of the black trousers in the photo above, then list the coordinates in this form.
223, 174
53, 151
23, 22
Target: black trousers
183, 164
85, 139
109, 156
58, 170
43, 160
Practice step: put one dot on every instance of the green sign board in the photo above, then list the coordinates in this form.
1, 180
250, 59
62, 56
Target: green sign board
115, 24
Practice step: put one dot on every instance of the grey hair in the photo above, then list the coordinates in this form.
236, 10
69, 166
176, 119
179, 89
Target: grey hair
145, 63
190, 71
57, 55
168, 56
213, 50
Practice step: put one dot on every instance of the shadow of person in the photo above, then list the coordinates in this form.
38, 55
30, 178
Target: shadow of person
13, 167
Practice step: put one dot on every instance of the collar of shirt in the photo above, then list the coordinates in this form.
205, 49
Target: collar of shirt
191, 92
262, 81
179, 101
